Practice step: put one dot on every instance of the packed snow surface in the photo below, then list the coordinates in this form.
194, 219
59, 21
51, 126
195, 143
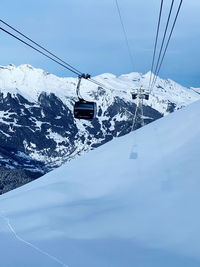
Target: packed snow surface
131, 202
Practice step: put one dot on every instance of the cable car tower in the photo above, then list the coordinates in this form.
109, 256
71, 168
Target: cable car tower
140, 94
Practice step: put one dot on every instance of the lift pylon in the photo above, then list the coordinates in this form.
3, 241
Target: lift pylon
140, 94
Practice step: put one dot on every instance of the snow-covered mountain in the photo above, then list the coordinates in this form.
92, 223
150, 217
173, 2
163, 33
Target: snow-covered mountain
37, 128
131, 202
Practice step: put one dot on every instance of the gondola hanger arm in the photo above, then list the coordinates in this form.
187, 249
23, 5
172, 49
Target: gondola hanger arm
80, 77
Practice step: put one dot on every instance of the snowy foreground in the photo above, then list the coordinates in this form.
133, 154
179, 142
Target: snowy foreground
132, 202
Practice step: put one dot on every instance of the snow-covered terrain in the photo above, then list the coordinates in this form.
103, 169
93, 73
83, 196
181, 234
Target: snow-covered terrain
38, 131
131, 202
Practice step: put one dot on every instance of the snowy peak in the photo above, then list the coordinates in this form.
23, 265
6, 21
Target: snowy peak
31, 82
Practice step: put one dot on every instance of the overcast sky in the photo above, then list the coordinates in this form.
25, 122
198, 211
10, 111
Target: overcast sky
88, 35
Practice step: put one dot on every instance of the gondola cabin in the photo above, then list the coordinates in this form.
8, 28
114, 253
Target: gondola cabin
134, 96
85, 110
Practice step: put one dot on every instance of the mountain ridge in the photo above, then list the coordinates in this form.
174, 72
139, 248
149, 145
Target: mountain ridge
37, 130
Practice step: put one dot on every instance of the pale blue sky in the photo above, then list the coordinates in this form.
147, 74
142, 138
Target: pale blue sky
88, 35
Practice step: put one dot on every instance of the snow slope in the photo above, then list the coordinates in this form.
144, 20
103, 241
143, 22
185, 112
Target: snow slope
131, 202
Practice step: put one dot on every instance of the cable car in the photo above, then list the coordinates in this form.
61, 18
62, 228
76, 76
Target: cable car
85, 110
134, 96
141, 94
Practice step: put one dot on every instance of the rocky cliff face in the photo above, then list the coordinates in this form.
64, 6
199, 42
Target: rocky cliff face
38, 131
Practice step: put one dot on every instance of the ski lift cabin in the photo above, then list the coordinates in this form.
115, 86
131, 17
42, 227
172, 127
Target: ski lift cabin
85, 110
140, 94
134, 96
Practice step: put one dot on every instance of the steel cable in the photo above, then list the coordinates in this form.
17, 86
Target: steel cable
156, 41
40, 46
125, 34
163, 40
24, 42
169, 39
56, 61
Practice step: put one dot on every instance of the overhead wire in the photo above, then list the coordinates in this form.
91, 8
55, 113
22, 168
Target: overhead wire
89, 79
129, 50
56, 60
24, 42
125, 34
163, 40
32, 41
156, 41
160, 62
170, 35
100, 84
77, 72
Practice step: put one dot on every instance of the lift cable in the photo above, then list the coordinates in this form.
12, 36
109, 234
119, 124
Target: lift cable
62, 63
168, 40
100, 84
156, 41
125, 34
40, 46
19, 39
136, 115
163, 40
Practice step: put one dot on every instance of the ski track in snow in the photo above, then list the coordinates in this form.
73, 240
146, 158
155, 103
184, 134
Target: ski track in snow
12, 230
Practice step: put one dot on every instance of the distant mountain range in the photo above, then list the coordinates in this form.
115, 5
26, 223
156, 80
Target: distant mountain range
38, 131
